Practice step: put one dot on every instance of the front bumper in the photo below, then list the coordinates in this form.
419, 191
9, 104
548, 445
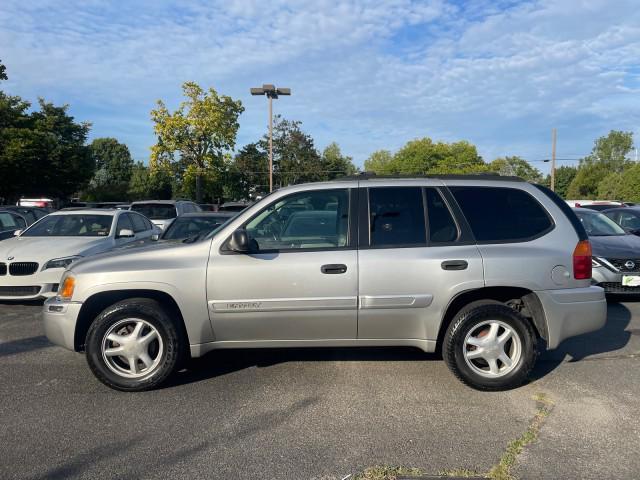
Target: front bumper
612, 281
42, 284
572, 311
60, 321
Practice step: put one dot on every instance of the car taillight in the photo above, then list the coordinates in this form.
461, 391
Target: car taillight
582, 261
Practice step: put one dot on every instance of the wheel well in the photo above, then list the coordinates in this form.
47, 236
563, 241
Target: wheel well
521, 299
95, 304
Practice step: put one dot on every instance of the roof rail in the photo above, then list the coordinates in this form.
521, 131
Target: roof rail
466, 176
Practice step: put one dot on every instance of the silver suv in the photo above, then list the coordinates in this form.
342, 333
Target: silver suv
479, 267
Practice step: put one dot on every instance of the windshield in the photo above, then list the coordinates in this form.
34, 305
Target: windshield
71, 226
155, 211
598, 224
185, 227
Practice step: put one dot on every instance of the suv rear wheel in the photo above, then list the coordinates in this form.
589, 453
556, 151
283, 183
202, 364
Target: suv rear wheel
133, 345
490, 347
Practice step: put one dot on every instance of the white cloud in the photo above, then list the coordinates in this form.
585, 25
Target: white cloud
367, 73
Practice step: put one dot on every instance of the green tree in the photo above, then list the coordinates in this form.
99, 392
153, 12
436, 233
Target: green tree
585, 183
42, 152
516, 166
3, 71
609, 155
611, 151
423, 156
199, 133
335, 164
145, 184
611, 186
248, 174
295, 158
379, 162
564, 177
113, 169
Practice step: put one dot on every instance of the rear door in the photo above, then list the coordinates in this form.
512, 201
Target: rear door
414, 256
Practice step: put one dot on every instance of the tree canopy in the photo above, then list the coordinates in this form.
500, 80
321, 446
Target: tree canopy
114, 166
198, 134
516, 166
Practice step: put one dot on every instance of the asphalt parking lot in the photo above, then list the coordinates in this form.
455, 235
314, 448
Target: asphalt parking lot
317, 414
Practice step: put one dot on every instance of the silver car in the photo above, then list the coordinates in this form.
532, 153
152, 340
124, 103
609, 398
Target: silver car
163, 212
32, 263
478, 266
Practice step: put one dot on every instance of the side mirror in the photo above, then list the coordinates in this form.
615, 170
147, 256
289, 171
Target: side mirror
239, 241
17, 233
155, 237
125, 233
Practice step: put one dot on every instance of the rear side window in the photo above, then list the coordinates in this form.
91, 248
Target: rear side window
396, 217
498, 214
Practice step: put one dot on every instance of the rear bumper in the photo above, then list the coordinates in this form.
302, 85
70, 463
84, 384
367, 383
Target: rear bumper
60, 321
571, 312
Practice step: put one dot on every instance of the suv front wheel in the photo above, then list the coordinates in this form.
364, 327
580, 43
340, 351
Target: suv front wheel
133, 345
490, 347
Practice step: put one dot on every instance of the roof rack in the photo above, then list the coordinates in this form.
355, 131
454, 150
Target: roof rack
467, 176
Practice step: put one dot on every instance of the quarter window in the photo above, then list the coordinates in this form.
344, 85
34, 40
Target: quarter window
499, 214
396, 217
314, 219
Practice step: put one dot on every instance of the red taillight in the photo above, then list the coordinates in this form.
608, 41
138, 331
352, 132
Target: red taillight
582, 261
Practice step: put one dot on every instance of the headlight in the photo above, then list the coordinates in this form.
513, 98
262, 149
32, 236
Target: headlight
67, 286
60, 262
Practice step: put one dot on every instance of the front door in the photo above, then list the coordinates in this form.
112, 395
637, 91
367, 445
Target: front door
300, 280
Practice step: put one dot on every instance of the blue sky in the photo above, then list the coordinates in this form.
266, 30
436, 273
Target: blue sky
368, 74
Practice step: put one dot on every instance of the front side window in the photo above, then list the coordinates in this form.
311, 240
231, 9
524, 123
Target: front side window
499, 214
629, 221
139, 223
124, 223
396, 217
315, 219
10, 222
71, 226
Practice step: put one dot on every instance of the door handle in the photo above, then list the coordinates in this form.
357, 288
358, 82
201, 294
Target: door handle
454, 265
333, 268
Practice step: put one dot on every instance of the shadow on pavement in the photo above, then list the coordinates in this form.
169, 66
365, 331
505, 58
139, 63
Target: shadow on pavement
23, 345
610, 338
221, 362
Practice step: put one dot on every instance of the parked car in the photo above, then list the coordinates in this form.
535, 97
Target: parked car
598, 205
233, 206
627, 217
30, 214
10, 223
163, 212
479, 266
41, 202
192, 225
32, 263
616, 253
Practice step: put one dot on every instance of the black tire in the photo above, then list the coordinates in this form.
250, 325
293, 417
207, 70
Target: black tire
168, 357
469, 319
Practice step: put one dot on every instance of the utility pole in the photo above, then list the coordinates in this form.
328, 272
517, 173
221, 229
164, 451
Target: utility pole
553, 160
271, 92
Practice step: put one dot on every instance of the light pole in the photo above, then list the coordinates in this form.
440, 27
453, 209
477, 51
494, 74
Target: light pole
271, 92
